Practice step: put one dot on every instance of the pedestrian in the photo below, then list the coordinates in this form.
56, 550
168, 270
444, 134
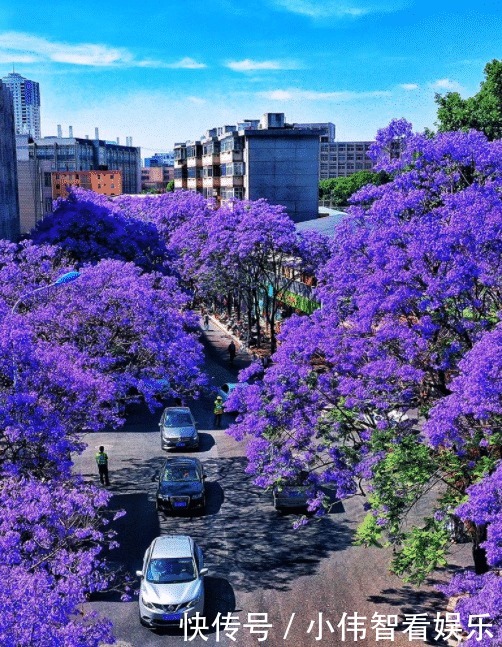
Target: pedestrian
232, 351
218, 412
206, 321
102, 461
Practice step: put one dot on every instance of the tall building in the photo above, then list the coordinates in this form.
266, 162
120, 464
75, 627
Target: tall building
254, 159
26, 102
9, 205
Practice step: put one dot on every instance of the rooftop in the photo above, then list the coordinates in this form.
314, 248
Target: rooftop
172, 546
324, 225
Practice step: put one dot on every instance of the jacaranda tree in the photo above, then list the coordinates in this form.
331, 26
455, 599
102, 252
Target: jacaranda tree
359, 391
69, 356
91, 227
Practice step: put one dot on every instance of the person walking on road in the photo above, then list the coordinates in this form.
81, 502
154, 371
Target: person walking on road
218, 412
102, 461
232, 351
206, 321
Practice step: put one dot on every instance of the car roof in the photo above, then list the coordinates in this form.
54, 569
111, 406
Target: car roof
182, 461
172, 546
180, 409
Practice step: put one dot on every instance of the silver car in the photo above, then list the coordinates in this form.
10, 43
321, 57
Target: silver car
177, 429
172, 581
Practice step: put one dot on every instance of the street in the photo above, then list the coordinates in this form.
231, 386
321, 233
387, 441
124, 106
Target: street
257, 562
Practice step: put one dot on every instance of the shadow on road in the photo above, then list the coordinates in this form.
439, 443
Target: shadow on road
245, 541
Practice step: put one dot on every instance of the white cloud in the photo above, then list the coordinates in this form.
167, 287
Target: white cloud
446, 84
18, 47
409, 86
248, 65
340, 8
314, 95
187, 63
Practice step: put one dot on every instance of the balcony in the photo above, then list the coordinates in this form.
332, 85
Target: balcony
210, 182
194, 183
232, 180
210, 159
194, 161
231, 156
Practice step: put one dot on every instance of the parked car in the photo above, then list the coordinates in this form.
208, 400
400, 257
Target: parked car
226, 389
181, 485
177, 428
290, 497
172, 581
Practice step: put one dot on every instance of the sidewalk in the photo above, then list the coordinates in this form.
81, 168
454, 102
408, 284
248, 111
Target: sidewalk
216, 341
253, 352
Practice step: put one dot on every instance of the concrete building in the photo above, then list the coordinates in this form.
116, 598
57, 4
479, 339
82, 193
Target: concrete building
103, 182
156, 178
9, 202
38, 159
26, 102
254, 159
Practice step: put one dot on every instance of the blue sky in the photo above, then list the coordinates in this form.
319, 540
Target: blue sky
166, 71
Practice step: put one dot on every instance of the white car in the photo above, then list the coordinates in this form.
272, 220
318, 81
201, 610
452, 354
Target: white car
172, 581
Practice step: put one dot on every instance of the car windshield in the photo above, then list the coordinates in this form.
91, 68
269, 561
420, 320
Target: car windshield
180, 474
177, 419
170, 570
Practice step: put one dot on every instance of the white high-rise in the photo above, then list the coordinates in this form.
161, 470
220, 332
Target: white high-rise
26, 101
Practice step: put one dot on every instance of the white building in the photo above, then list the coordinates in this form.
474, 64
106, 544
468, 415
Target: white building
26, 102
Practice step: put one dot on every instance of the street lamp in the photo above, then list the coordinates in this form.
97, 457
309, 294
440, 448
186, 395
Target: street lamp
68, 277
64, 278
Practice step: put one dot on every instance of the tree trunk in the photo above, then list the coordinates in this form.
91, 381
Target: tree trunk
257, 315
479, 554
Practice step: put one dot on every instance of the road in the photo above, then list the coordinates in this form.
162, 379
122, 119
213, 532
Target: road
258, 564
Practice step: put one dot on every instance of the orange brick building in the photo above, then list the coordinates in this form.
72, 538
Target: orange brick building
104, 182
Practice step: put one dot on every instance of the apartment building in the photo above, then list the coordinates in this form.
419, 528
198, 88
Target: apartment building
254, 159
9, 204
26, 103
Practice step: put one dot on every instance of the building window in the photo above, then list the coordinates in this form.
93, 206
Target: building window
47, 179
